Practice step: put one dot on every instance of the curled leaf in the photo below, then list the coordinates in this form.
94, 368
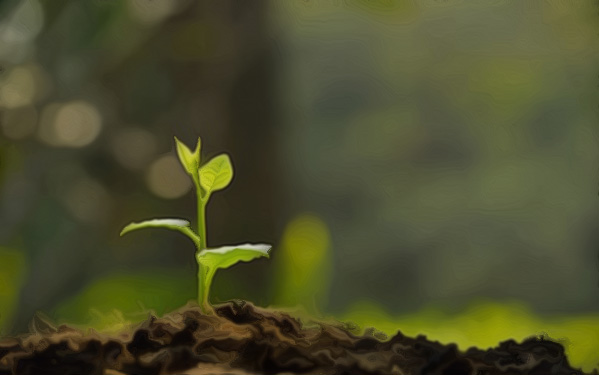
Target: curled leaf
189, 160
227, 256
180, 225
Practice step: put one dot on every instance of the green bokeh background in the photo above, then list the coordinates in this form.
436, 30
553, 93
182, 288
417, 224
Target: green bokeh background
429, 166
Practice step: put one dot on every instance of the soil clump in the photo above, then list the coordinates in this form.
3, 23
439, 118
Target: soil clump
242, 339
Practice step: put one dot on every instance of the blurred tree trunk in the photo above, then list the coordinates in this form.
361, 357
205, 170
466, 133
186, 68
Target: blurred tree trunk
249, 210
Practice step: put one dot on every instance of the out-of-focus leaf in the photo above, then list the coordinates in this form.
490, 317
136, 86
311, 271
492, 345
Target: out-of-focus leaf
12, 271
304, 264
114, 301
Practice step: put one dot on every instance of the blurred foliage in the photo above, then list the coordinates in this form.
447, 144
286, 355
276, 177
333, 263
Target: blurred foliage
120, 299
457, 143
484, 324
13, 270
303, 269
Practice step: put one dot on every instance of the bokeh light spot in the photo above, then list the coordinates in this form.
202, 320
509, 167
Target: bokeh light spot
133, 147
167, 179
74, 124
77, 124
151, 11
23, 24
18, 88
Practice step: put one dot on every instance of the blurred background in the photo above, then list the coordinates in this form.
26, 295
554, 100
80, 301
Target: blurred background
400, 156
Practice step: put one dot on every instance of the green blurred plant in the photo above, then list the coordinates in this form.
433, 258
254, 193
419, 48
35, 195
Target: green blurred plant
215, 175
304, 270
13, 269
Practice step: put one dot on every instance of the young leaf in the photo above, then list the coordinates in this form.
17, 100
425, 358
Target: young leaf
216, 174
190, 161
180, 225
227, 256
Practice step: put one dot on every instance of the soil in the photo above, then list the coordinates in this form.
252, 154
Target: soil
244, 339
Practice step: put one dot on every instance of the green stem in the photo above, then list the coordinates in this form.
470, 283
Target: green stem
204, 273
202, 221
205, 276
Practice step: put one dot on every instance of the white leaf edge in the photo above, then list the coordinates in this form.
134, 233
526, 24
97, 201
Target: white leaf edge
181, 225
161, 222
263, 248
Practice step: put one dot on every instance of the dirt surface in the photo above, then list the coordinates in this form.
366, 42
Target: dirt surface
243, 339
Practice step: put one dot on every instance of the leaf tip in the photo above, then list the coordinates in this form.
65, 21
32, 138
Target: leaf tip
125, 230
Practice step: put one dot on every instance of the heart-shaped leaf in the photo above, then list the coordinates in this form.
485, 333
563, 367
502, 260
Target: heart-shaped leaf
189, 160
180, 225
227, 256
216, 174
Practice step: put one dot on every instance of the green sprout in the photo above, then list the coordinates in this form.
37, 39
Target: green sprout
214, 175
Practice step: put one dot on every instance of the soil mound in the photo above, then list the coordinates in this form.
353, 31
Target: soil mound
244, 339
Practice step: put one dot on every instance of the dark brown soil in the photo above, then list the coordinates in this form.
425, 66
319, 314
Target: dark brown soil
245, 339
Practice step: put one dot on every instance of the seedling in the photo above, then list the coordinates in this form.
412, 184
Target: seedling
215, 175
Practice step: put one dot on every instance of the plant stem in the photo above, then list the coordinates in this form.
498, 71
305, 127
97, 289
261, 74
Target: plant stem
202, 221
205, 276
